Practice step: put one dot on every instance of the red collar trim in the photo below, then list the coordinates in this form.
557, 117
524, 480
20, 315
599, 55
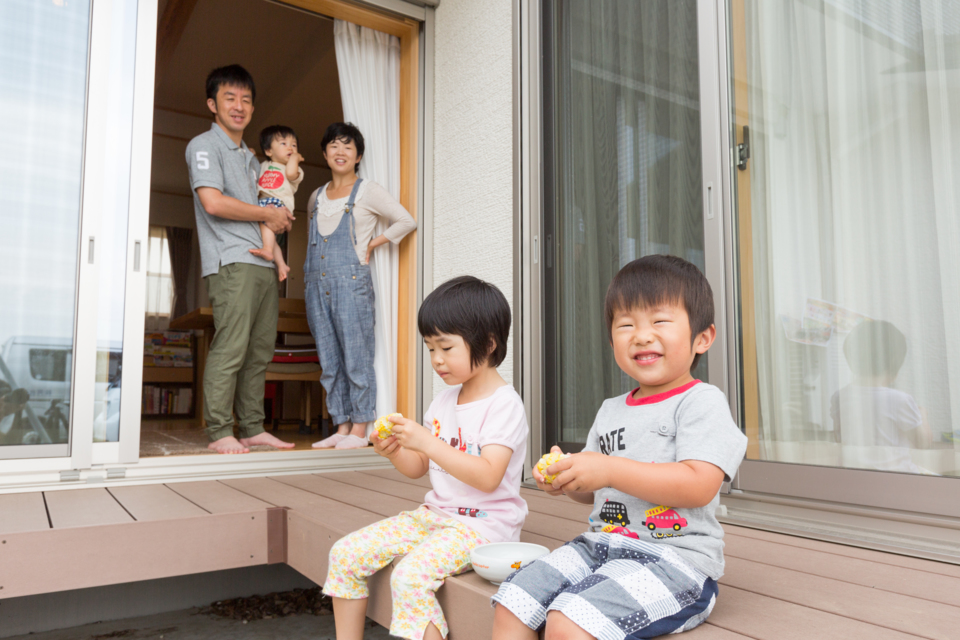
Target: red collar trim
659, 397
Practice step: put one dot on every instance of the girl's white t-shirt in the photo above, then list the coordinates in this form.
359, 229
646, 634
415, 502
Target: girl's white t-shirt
499, 419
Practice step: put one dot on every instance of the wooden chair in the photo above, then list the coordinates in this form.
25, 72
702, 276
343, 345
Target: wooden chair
292, 319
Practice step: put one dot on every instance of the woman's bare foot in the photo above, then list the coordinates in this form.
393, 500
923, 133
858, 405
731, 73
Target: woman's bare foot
266, 439
282, 271
228, 445
263, 253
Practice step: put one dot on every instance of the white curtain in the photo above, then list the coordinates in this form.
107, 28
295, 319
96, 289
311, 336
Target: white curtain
368, 62
159, 281
855, 118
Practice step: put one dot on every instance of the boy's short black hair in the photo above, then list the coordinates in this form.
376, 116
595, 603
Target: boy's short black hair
271, 133
875, 348
657, 280
347, 132
475, 310
233, 76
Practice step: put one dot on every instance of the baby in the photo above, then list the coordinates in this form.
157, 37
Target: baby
280, 175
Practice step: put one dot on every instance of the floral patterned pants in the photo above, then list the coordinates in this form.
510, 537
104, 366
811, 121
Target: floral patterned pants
433, 547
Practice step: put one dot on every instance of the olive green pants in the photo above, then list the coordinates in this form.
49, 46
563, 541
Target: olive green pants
245, 300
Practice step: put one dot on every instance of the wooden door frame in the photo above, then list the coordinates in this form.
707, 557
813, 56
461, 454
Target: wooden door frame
408, 31
750, 415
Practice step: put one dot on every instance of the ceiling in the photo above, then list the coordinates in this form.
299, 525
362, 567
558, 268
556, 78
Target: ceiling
290, 55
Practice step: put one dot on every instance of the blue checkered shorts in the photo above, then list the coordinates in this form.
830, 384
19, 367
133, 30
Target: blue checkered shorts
613, 587
266, 202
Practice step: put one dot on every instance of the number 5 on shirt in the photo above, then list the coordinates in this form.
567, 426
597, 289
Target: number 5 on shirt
203, 162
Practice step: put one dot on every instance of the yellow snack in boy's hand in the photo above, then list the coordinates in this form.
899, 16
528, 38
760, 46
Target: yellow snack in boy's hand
384, 427
547, 460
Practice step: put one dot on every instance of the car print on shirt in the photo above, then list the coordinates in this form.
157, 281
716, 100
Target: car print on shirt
614, 513
621, 530
663, 518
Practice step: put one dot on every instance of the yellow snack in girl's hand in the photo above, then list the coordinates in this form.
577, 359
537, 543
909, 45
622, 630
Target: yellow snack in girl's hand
547, 460
383, 426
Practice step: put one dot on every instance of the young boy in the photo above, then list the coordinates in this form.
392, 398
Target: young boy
653, 465
877, 424
280, 175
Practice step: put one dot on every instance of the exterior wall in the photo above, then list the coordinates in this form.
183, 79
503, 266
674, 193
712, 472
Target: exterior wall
473, 147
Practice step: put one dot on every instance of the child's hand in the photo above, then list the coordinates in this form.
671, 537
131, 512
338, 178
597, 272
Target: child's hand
411, 435
582, 472
296, 158
548, 488
387, 447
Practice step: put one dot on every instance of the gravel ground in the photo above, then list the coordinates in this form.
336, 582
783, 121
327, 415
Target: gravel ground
291, 615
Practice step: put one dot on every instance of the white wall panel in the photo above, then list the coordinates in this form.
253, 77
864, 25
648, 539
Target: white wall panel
473, 147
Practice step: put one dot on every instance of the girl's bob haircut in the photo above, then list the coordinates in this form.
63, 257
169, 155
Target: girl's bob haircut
473, 309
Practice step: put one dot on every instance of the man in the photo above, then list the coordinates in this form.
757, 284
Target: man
242, 287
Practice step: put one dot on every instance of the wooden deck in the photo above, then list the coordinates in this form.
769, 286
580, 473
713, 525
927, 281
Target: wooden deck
776, 587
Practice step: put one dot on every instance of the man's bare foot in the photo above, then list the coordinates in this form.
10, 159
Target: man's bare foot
263, 253
228, 445
282, 271
267, 439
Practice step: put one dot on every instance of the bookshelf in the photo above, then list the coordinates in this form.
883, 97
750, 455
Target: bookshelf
169, 392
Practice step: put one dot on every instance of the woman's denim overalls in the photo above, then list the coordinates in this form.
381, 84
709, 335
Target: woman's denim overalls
339, 298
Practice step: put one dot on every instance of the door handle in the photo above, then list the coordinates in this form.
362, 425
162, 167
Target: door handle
136, 256
710, 212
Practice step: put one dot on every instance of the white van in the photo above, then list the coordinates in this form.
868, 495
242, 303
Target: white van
43, 367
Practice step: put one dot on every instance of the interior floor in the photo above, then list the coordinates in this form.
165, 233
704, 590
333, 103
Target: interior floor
184, 437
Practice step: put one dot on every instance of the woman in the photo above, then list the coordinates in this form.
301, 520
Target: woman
339, 291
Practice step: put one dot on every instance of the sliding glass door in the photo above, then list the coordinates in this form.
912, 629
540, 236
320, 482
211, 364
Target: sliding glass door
848, 225
632, 168
43, 90
70, 219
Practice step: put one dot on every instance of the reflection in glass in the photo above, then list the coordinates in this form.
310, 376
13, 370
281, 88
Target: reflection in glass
876, 423
113, 226
43, 57
626, 179
854, 114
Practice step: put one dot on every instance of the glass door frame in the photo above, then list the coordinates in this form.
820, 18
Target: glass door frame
535, 198
36, 462
86, 461
127, 448
931, 496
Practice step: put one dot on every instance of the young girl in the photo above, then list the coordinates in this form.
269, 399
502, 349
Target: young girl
473, 447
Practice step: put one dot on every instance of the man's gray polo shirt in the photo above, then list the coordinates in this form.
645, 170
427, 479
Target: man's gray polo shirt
214, 160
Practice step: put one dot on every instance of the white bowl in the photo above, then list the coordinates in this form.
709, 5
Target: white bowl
498, 560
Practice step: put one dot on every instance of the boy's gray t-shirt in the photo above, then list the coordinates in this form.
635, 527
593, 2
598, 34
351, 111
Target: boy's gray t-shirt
689, 423
214, 160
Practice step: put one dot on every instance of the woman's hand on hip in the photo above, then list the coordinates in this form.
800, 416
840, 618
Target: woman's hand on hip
376, 242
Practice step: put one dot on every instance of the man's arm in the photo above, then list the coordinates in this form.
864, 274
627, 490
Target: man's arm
277, 219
